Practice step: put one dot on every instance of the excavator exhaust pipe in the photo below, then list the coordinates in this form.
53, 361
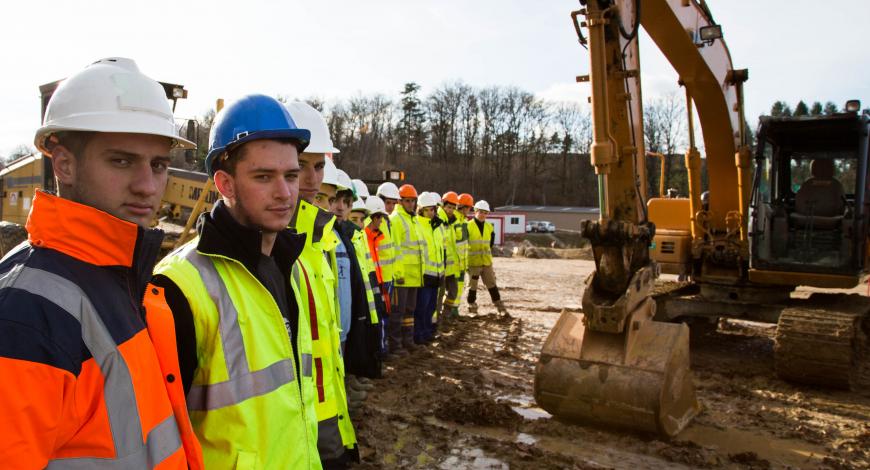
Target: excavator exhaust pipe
638, 379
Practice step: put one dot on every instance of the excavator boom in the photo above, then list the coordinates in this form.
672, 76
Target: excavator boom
614, 365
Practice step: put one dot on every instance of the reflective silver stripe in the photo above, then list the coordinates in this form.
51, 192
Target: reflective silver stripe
119, 394
306, 365
231, 335
387, 262
242, 383
385, 246
408, 241
296, 276
162, 442
239, 389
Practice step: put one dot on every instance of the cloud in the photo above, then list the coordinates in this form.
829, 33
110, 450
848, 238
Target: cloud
565, 91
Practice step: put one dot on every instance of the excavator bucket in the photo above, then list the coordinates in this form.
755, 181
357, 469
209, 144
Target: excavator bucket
639, 379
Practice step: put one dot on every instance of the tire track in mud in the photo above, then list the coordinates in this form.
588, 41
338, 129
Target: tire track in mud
484, 365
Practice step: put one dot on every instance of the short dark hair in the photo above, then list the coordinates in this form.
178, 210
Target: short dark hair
344, 193
75, 141
229, 161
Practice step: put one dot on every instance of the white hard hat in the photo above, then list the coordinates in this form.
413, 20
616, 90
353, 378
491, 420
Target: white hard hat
427, 199
110, 95
330, 172
360, 188
306, 117
359, 205
437, 196
375, 205
482, 205
389, 190
344, 181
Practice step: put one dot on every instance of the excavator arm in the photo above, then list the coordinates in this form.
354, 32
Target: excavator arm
613, 364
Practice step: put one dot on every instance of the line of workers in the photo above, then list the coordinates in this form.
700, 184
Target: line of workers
249, 346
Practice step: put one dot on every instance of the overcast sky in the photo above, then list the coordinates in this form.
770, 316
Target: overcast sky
794, 49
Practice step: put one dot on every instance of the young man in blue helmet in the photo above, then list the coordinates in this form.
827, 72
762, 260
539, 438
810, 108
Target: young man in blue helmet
245, 351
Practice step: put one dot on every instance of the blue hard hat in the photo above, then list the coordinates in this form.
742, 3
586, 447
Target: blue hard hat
253, 117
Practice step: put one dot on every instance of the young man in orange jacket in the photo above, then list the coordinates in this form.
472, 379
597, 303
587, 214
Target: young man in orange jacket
90, 380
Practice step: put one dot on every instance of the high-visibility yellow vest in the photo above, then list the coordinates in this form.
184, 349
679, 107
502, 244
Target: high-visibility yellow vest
315, 282
386, 251
479, 251
452, 262
367, 267
246, 374
408, 246
433, 255
460, 234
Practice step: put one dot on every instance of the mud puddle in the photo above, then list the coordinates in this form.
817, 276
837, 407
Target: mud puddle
746, 444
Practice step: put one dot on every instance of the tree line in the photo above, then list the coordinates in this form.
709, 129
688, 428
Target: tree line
500, 143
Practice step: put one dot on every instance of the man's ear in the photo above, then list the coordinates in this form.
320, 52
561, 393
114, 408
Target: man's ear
64, 163
225, 184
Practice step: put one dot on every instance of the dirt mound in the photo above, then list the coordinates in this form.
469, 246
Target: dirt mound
529, 251
691, 454
482, 411
10, 236
750, 460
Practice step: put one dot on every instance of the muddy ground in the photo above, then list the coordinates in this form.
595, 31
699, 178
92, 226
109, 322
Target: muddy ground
466, 400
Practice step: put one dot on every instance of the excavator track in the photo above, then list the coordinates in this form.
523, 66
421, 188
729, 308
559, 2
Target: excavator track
824, 341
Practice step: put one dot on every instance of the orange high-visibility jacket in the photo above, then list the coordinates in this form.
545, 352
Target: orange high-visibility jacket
86, 383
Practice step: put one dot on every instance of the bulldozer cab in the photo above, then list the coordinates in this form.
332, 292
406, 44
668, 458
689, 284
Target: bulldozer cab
808, 212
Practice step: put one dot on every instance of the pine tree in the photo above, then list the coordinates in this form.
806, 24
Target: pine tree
801, 109
831, 108
779, 109
816, 109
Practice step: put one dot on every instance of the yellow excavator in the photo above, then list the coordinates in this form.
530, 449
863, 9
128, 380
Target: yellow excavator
795, 215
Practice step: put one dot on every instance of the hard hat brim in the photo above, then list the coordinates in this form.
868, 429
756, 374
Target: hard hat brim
144, 124
300, 136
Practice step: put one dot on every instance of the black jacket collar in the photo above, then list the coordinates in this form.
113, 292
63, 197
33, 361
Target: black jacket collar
220, 234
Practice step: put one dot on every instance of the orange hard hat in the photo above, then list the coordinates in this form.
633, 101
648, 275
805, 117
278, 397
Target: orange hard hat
407, 190
465, 199
450, 197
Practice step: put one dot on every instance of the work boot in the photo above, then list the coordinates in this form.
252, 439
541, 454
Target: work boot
365, 380
499, 304
354, 383
454, 313
408, 339
444, 316
355, 397
472, 308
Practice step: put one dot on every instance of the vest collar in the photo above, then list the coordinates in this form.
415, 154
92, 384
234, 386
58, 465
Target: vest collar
312, 221
83, 232
221, 235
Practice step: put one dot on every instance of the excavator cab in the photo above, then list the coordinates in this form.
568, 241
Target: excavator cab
809, 204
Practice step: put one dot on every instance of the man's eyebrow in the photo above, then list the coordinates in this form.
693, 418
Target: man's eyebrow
122, 153
133, 155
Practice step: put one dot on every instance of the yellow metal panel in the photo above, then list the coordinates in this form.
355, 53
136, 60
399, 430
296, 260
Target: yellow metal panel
20, 182
670, 214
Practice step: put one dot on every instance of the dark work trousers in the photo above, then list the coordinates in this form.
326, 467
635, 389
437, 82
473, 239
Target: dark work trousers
401, 325
423, 328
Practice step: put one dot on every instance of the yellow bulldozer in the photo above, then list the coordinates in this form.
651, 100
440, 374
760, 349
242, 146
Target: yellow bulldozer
793, 212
